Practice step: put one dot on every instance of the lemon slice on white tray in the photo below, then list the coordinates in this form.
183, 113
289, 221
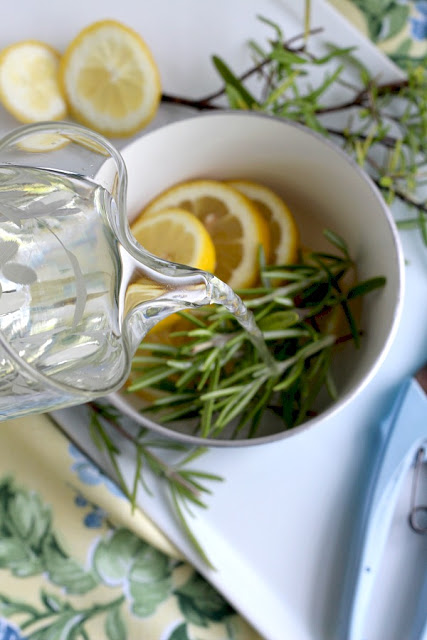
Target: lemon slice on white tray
232, 221
29, 86
110, 79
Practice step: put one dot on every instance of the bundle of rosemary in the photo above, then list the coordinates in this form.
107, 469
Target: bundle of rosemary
211, 373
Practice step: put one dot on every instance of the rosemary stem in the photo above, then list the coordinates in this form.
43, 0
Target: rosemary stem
168, 471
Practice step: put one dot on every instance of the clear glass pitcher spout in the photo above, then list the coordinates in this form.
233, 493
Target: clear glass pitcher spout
69, 317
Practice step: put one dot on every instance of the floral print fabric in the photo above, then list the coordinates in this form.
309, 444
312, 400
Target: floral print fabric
398, 27
75, 563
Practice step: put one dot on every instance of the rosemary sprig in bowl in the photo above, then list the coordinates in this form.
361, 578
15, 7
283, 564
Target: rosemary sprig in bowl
211, 374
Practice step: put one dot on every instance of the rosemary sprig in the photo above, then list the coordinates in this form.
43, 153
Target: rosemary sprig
382, 125
211, 373
185, 485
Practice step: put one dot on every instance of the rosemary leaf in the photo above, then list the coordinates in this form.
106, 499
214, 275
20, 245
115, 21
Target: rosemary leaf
174, 399
192, 318
154, 375
257, 409
188, 376
208, 407
136, 477
232, 80
188, 410
336, 240
187, 529
362, 288
236, 406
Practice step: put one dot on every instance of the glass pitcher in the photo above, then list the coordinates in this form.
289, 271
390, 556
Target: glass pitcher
69, 324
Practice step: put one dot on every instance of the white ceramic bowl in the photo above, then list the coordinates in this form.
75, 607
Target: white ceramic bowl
323, 187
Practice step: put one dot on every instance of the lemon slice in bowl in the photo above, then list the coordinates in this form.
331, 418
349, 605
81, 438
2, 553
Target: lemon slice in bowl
175, 235
110, 79
284, 232
29, 86
233, 222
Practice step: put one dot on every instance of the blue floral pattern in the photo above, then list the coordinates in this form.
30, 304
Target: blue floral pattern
398, 27
419, 23
90, 474
95, 518
9, 631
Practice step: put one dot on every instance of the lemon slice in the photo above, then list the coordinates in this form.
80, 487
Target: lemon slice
233, 222
42, 142
174, 235
284, 232
110, 79
29, 86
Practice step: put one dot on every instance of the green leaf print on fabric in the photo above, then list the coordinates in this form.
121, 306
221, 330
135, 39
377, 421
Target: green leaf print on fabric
58, 619
115, 627
124, 559
9, 607
52, 602
180, 633
65, 627
394, 21
200, 603
23, 524
114, 557
29, 518
150, 580
30, 545
19, 558
65, 571
385, 18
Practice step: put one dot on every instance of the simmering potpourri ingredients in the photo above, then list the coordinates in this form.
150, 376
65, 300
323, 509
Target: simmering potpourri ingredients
206, 368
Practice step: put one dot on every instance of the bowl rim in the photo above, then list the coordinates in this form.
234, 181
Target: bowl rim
117, 398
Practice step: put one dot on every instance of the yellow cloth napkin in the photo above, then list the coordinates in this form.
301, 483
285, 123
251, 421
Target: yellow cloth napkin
75, 562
